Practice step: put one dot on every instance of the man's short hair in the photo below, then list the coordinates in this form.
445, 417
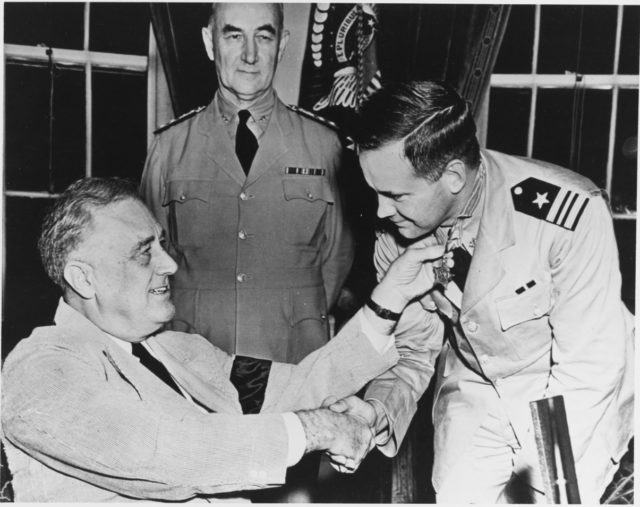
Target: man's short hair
278, 7
435, 122
72, 215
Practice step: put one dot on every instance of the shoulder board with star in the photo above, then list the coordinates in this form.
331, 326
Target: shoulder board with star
554, 204
313, 116
179, 119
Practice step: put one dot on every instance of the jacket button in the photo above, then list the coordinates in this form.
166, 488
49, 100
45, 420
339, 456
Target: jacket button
241, 277
242, 235
536, 311
243, 196
472, 327
309, 195
323, 316
183, 197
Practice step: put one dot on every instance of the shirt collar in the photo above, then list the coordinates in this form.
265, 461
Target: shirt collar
260, 111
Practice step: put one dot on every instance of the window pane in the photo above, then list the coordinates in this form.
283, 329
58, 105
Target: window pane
27, 127
59, 25
119, 28
509, 120
594, 139
625, 155
119, 124
552, 134
629, 42
29, 297
566, 45
553, 131
516, 49
626, 238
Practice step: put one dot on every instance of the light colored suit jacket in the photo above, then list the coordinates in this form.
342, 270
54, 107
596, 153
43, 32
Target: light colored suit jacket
569, 333
261, 257
82, 420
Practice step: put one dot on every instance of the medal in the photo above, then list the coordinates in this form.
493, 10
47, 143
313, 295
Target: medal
442, 271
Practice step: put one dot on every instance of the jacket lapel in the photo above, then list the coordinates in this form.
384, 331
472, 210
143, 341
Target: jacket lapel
495, 235
219, 148
273, 144
216, 392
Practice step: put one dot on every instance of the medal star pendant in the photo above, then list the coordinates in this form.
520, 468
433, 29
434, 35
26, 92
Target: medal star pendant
442, 274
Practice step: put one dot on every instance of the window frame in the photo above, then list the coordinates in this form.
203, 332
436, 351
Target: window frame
88, 60
534, 81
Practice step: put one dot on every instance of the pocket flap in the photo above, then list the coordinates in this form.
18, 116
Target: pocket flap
309, 188
185, 190
532, 304
308, 303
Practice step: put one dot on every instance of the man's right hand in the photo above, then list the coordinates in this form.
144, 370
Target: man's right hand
338, 434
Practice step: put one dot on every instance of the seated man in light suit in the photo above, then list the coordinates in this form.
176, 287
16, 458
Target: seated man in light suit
84, 420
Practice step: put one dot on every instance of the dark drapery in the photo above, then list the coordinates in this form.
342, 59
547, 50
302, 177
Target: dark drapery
190, 75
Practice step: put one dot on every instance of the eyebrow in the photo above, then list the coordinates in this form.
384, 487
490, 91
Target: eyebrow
141, 245
267, 28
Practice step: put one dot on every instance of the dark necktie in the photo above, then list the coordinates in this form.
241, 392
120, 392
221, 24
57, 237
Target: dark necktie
250, 377
154, 366
246, 142
461, 263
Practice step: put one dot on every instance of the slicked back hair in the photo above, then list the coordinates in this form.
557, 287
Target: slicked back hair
435, 122
278, 8
71, 217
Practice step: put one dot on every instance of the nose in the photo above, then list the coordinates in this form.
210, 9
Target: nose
249, 51
166, 264
385, 207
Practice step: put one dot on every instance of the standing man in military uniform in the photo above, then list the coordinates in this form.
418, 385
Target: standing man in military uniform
247, 191
529, 291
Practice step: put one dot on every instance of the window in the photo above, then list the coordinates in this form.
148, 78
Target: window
565, 90
76, 104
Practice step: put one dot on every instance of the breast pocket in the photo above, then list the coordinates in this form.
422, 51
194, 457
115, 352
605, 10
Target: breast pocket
189, 209
306, 201
520, 314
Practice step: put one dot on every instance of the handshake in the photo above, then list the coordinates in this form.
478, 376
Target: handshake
345, 429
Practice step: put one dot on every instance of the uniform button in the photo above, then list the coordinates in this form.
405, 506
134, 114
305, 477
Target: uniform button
243, 196
323, 316
242, 235
309, 195
472, 327
536, 311
183, 197
241, 277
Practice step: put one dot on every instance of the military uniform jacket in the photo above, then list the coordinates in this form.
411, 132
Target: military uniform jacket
541, 310
261, 258
83, 421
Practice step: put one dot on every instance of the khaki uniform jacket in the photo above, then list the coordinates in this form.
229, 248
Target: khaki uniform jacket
83, 421
568, 334
261, 258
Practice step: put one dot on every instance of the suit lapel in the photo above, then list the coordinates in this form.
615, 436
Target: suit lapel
216, 392
273, 144
495, 235
219, 148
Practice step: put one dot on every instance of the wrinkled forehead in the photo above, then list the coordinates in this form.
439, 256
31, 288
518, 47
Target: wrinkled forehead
121, 225
246, 15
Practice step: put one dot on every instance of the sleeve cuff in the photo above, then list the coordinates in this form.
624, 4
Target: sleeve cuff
379, 341
296, 437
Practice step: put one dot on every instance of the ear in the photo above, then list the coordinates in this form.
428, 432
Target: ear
79, 276
284, 40
207, 40
455, 176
